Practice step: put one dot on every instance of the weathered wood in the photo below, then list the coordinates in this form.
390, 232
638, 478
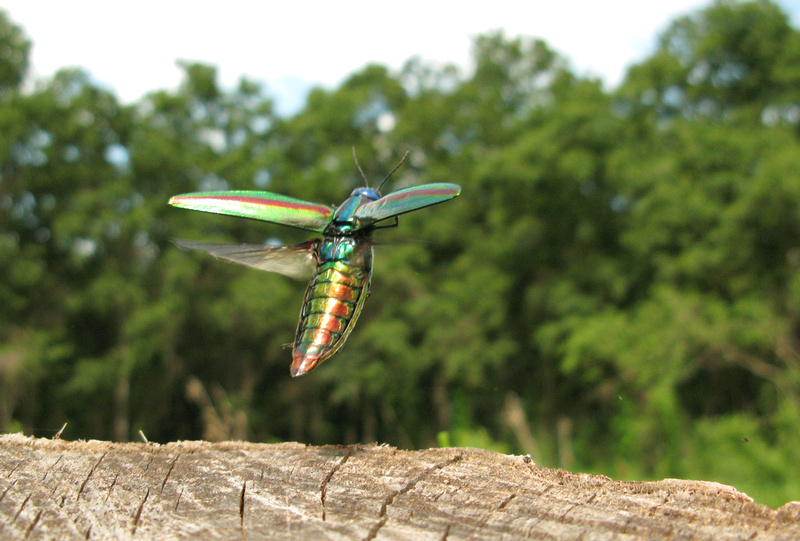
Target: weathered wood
98, 490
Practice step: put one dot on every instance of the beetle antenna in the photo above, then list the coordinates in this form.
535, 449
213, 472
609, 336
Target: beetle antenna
355, 159
396, 167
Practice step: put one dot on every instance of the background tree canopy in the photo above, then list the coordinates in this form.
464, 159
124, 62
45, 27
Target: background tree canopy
616, 291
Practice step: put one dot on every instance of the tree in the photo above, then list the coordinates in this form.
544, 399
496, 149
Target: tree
733, 60
14, 50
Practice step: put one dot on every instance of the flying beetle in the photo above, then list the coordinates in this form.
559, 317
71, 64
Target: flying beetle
339, 263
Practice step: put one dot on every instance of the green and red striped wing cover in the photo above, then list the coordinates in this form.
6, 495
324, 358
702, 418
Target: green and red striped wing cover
265, 206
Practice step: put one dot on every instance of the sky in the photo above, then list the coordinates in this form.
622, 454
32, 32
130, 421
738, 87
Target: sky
131, 47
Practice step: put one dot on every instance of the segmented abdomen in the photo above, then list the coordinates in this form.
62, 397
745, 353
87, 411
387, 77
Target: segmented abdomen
334, 299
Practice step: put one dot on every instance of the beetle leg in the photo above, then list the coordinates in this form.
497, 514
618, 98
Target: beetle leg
396, 221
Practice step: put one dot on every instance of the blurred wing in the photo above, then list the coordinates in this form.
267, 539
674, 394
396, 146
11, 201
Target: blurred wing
294, 261
265, 206
406, 200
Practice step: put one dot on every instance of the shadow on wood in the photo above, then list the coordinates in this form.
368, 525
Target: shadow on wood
51, 489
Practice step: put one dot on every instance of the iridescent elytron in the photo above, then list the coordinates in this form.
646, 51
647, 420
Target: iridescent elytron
340, 262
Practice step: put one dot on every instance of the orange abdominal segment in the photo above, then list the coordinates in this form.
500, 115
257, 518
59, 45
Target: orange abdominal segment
333, 301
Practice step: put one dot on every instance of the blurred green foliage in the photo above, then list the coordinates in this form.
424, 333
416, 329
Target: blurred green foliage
617, 290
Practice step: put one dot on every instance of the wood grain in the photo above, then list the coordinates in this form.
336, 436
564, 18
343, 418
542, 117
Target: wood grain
99, 490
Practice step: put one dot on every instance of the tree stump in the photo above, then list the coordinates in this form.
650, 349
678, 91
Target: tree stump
54, 489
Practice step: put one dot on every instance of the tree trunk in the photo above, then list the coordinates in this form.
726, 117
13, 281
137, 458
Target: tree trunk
53, 489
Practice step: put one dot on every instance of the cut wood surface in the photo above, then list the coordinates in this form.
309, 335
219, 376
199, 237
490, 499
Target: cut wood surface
54, 489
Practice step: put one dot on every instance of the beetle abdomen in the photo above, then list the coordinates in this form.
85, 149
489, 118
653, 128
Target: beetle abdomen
333, 302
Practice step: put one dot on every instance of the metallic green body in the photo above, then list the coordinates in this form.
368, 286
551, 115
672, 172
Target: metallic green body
333, 300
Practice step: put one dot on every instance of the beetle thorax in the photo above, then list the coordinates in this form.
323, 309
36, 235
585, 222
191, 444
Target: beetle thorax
337, 248
369, 193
